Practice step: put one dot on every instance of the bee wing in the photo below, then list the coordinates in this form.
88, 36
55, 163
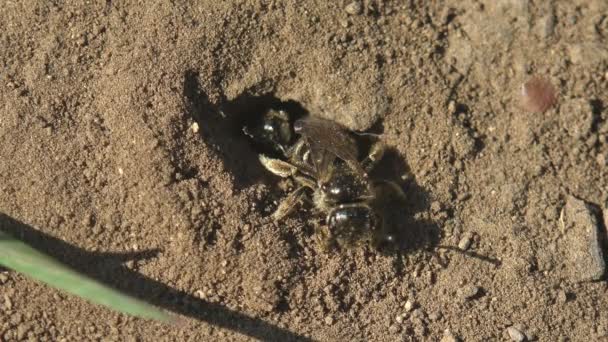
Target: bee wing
328, 140
323, 161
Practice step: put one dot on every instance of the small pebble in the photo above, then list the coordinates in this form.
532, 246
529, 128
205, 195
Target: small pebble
82, 40
329, 320
537, 95
561, 297
547, 26
8, 304
393, 329
354, 8
409, 305
436, 207
420, 330
516, 334
434, 316
584, 257
458, 165
465, 241
3, 278
22, 330
195, 128
16, 319
448, 336
602, 159
452, 107
463, 196
467, 292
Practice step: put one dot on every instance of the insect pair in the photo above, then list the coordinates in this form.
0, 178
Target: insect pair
323, 158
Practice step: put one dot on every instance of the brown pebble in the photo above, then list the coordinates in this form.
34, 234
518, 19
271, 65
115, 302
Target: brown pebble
537, 95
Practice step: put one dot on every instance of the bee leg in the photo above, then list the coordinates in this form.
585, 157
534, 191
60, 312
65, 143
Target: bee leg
278, 167
324, 238
305, 181
298, 155
389, 189
295, 151
376, 152
286, 169
289, 204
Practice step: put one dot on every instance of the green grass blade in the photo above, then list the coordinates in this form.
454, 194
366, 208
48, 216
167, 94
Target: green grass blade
22, 258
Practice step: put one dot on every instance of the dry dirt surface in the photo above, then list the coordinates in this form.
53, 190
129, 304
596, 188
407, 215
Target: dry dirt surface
120, 154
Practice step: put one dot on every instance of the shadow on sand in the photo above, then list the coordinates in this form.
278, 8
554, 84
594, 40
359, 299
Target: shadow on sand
109, 269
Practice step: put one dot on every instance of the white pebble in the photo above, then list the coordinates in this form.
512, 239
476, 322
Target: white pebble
409, 305
194, 127
515, 334
465, 242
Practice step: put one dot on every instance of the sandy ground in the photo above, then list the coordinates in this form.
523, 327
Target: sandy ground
100, 166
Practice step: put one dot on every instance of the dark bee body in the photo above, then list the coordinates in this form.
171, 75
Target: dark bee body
344, 187
325, 160
271, 132
351, 223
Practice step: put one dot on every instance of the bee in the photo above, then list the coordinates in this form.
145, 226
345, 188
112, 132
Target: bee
323, 159
271, 132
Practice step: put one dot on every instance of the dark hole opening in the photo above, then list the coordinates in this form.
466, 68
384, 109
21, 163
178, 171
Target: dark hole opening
221, 126
247, 111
